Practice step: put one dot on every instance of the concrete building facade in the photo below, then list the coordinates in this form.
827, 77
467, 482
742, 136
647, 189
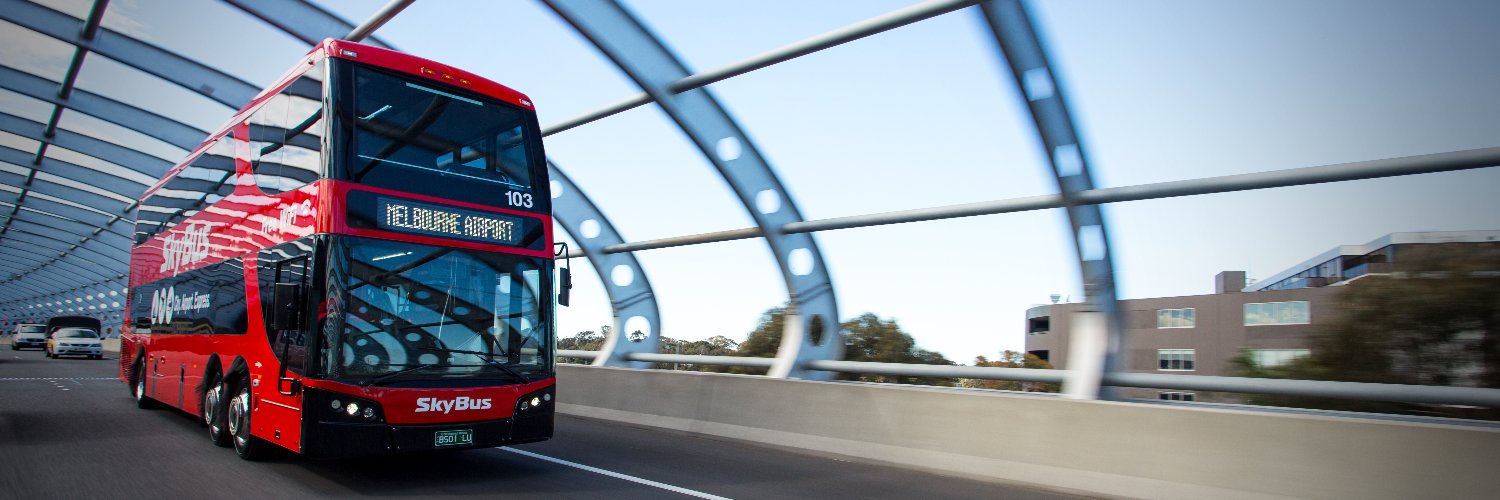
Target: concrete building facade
1272, 320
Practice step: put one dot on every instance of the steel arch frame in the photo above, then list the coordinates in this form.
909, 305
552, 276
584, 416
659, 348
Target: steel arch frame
1037, 83
650, 63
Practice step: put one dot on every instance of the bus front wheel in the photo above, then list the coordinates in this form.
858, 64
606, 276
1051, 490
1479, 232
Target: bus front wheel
246, 446
138, 389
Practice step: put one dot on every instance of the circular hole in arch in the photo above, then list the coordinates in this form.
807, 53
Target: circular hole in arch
348, 353
768, 201
800, 262
556, 188
371, 359
728, 148
386, 321
427, 359
460, 310
622, 275
114, 304
816, 328
637, 329
362, 342
363, 309
589, 229
423, 294
413, 337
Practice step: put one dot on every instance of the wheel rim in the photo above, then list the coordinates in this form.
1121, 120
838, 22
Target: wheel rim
211, 408
239, 418
140, 387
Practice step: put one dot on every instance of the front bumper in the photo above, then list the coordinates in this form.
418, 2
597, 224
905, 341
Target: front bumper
327, 436
342, 440
30, 343
77, 350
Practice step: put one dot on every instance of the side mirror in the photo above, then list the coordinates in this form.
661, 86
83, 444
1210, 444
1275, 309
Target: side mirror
565, 286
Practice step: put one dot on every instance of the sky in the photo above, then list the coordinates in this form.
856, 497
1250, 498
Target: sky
926, 115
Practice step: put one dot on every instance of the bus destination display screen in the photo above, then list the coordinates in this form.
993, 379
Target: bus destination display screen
387, 213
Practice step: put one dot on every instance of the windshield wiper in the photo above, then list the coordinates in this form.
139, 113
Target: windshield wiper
488, 358
387, 376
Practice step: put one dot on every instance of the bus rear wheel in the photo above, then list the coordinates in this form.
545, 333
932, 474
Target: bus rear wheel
246, 446
213, 412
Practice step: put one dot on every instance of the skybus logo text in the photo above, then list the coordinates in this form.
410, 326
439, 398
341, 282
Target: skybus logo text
460, 403
186, 248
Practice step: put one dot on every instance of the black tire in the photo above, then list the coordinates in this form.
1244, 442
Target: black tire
138, 388
213, 412
246, 446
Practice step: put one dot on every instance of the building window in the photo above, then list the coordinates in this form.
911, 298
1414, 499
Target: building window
1268, 358
1277, 313
1177, 396
1175, 359
1176, 318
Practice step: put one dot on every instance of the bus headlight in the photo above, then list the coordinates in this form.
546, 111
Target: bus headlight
535, 402
342, 408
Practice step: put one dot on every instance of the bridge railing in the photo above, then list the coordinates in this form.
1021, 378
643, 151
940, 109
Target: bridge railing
1437, 395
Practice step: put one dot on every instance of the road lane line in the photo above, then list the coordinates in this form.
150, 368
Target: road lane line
617, 475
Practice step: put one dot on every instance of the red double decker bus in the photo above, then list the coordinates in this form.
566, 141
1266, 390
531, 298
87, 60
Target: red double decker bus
360, 262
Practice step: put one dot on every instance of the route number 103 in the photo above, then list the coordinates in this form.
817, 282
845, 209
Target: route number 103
518, 199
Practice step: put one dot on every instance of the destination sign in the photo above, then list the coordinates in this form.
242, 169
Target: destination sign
413, 217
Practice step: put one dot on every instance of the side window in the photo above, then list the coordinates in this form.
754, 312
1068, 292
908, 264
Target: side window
286, 135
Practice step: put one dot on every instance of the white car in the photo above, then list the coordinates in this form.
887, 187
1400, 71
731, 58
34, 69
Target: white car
75, 342
29, 335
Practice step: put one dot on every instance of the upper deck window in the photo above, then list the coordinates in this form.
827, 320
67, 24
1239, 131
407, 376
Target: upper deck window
404, 128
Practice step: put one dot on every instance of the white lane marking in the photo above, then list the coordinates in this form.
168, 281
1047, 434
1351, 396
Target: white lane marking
616, 475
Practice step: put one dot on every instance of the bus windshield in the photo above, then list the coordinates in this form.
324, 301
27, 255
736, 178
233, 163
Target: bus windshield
442, 312
413, 133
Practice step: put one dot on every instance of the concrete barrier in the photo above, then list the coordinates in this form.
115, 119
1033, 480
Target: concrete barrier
1091, 447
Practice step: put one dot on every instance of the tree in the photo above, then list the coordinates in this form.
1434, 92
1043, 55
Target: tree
1011, 359
866, 338
1433, 320
582, 341
717, 345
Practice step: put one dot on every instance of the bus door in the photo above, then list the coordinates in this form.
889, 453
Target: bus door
287, 328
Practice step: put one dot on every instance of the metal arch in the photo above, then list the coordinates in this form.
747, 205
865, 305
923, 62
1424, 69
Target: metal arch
124, 157
629, 299
651, 64
145, 122
71, 193
39, 279
41, 241
54, 221
189, 74
42, 206
117, 240
120, 254
55, 293
89, 291
302, 20
1037, 82
570, 206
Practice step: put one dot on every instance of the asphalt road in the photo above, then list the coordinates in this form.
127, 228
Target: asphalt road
68, 429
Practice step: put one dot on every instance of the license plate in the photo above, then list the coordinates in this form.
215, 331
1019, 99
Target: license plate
456, 437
